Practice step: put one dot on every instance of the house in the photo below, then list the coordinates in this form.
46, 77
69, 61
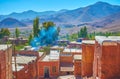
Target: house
15, 41
107, 57
48, 66
26, 64
67, 61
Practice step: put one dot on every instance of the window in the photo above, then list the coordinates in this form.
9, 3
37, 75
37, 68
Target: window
54, 69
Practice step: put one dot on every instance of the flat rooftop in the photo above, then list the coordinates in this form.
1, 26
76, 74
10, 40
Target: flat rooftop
53, 56
56, 47
74, 42
101, 39
88, 41
23, 59
4, 46
18, 67
70, 50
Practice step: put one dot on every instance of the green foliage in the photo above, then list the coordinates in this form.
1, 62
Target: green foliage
19, 47
46, 49
30, 38
4, 32
73, 37
63, 44
36, 26
17, 32
48, 24
83, 33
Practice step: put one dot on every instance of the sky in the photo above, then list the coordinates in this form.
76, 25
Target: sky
9, 6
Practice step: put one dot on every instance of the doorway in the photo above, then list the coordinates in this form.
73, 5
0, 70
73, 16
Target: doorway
46, 72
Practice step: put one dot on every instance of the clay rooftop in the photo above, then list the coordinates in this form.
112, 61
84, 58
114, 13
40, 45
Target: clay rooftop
4, 46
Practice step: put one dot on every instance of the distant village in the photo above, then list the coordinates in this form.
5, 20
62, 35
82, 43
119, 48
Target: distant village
80, 59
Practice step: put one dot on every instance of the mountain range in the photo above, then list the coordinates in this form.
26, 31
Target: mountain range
100, 15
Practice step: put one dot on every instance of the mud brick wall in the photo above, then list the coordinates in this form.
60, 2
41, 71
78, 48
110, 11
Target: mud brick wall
75, 45
87, 59
5, 64
50, 65
110, 59
67, 59
27, 53
77, 68
28, 72
96, 59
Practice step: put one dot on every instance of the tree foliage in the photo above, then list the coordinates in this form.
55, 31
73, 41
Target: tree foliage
30, 38
83, 32
36, 27
17, 32
48, 24
4, 32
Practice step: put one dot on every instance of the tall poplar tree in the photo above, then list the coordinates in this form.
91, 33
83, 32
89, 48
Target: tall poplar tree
36, 27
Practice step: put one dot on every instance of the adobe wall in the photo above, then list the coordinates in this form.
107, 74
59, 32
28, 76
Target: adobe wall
5, 64
67, 59
107, 60
96, 59
75, 46
50, 64
28, 72
27, 53
110, 59
87, 59
77, 68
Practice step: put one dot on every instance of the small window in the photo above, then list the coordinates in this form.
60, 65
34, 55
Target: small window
54, 69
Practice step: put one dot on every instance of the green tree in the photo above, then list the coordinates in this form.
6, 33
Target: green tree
30, 38
83, 32
17, 32
48, 24
36, 26
4, 32
46, 49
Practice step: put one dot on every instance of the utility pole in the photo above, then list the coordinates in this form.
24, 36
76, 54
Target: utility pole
15, 60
